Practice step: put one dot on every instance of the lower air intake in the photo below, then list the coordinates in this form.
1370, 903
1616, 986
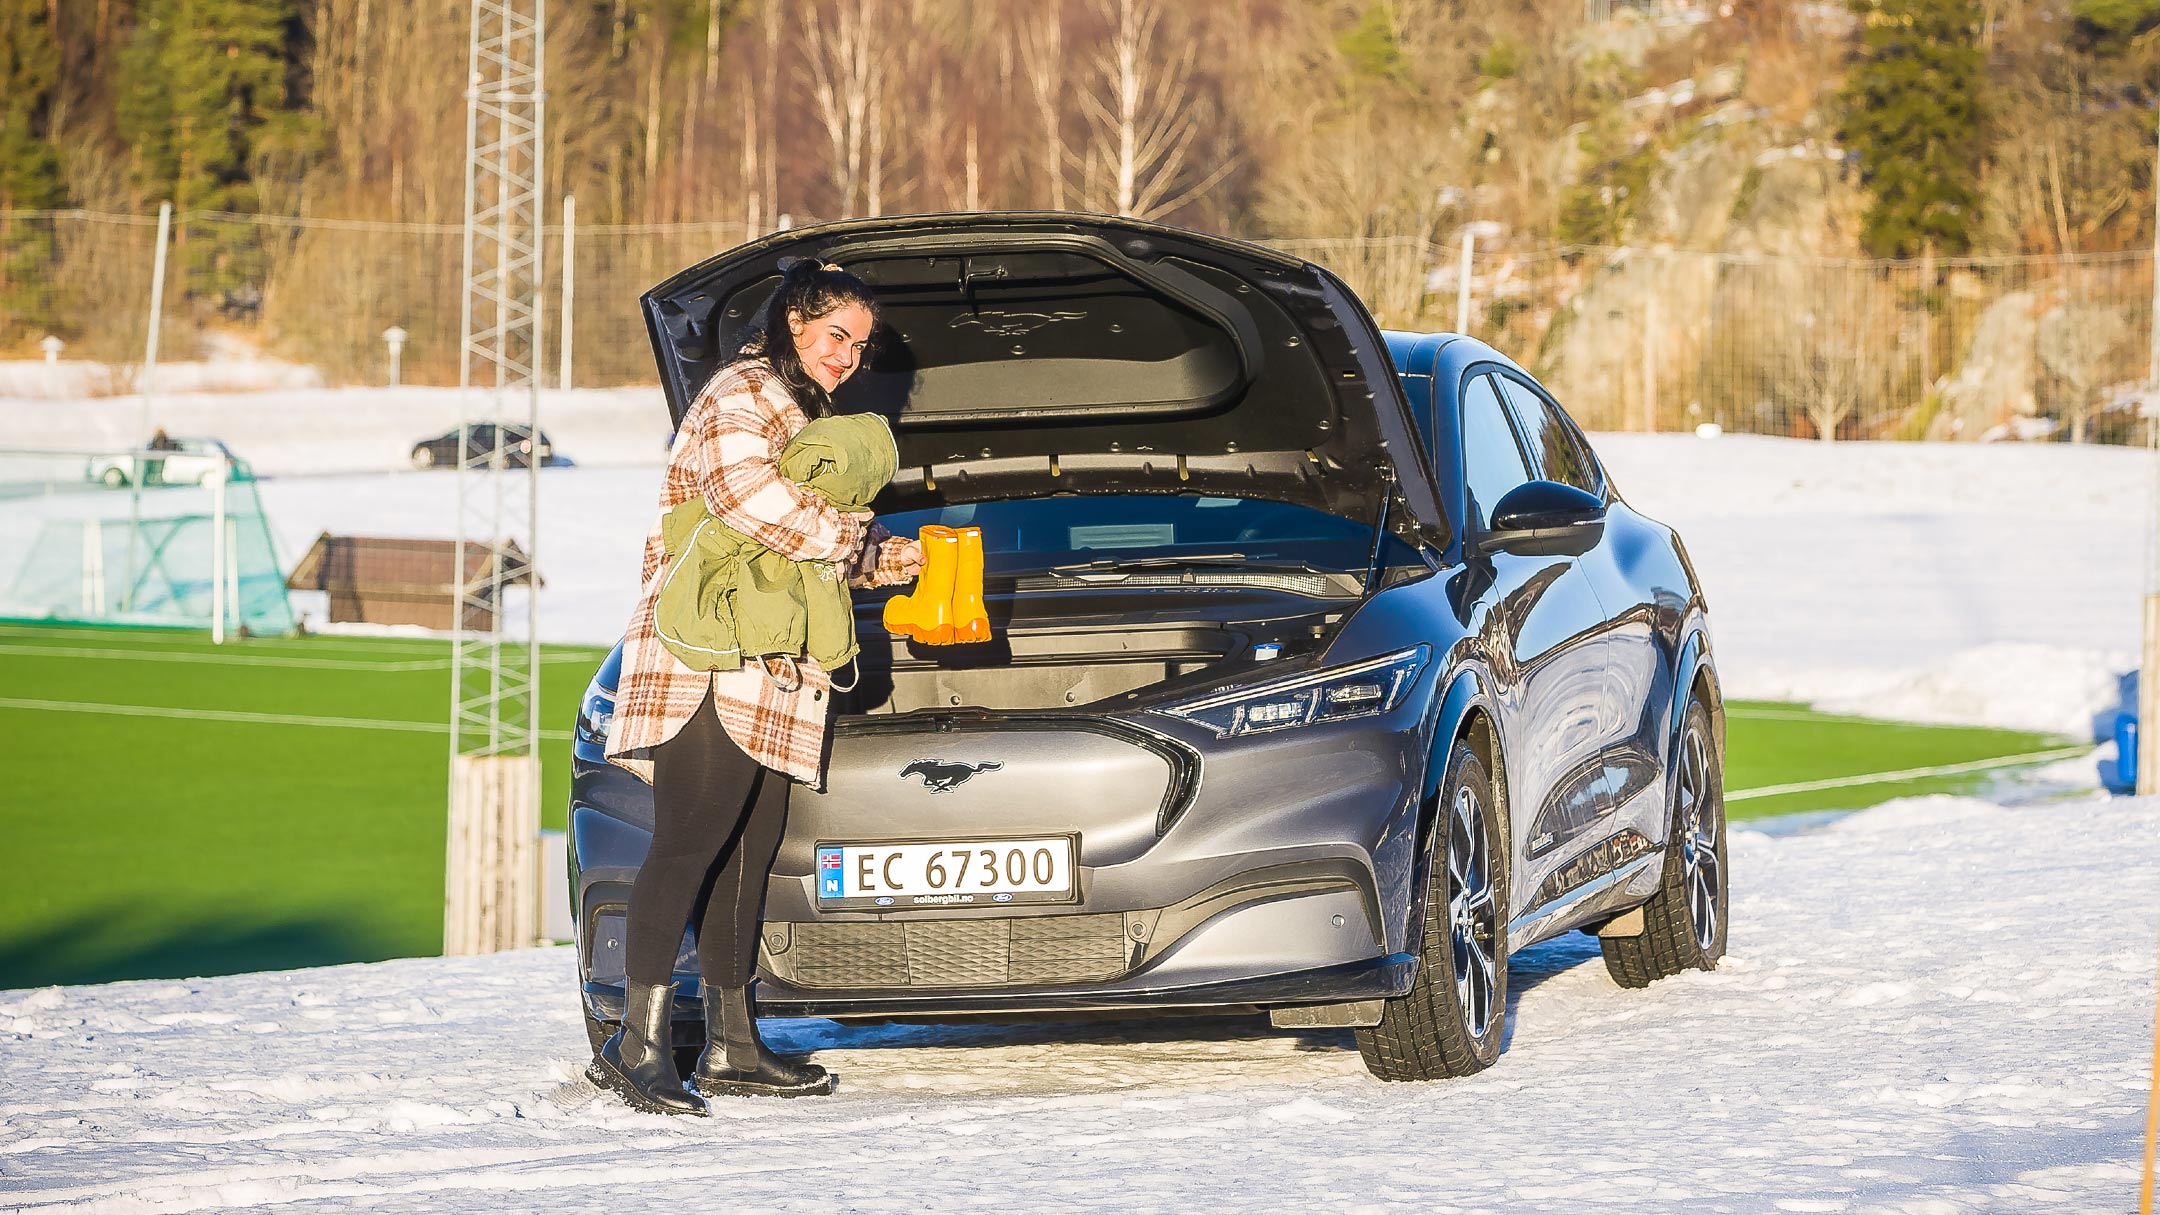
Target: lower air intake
952, 953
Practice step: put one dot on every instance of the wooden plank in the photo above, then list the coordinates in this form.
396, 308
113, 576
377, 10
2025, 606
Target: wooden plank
492, 867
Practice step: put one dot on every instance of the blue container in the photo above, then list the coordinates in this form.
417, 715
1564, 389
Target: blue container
2126, 748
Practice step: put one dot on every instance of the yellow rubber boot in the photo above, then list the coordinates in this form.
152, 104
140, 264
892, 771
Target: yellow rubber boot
926, 615
970, 621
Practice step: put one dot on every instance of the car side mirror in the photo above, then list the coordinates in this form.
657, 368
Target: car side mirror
1544, 519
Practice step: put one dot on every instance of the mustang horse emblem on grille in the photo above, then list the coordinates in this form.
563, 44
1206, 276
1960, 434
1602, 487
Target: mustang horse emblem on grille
938, 776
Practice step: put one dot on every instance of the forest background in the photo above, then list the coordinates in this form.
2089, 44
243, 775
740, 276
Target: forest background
314, 150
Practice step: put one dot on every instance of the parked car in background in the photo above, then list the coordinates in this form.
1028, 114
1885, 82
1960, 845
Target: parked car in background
181, 462
1330, 668
515, 446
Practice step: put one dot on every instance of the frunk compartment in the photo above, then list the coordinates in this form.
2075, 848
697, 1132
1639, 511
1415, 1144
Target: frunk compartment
1028, 669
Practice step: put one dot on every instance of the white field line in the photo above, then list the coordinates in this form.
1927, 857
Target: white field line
241, 717
234, 660
426, 727
1842, 719
1885, 778
92, 632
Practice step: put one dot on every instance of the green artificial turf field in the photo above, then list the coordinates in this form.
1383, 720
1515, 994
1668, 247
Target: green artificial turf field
175, 808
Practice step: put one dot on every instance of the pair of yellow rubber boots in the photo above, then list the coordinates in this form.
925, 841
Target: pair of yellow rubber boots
947, 605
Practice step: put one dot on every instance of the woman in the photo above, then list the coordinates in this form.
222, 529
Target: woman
720, 747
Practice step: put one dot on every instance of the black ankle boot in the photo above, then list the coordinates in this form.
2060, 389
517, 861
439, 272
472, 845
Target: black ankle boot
638, 1063
736, 1063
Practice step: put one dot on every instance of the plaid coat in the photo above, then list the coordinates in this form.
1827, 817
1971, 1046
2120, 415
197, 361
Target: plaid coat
728, 450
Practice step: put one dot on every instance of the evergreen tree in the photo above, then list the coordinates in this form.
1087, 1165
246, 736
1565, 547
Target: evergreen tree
29, 72
206, 98
29, 166
1914, 114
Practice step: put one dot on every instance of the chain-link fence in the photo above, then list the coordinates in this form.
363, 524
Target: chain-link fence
1631, 339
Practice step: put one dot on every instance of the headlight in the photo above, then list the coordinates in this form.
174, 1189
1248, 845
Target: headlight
1364, 689
596, 715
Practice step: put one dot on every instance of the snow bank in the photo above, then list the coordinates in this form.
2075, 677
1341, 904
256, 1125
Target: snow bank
1996, 584
332, 430
1954, 1032
72, 381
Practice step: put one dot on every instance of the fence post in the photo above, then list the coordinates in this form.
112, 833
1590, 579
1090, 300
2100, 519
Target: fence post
2148, 707
157, 312
142, 388
569, 282
491, 896
1649, 363
2148, 732
219, 557
1462, 282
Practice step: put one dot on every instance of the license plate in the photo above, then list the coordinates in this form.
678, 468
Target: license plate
946, 873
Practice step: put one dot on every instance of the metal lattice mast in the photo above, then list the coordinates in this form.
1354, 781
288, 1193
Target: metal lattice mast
494, 684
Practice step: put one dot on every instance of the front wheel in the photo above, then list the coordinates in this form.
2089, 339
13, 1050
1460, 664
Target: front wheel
114, 478
1451, 1021
423, 456
1684, 923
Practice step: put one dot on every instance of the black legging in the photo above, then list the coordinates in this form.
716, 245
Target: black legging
707, 796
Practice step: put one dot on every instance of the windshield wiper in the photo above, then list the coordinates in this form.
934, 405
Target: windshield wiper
1112, 565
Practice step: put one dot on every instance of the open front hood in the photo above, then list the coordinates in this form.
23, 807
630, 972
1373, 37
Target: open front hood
1028, 353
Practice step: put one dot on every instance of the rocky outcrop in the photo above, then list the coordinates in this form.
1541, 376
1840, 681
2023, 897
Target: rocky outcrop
1727, 196
1993, 383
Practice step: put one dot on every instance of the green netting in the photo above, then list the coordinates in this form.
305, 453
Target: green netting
127, 537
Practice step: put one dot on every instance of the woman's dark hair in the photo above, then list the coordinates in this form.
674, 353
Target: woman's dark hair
810, 288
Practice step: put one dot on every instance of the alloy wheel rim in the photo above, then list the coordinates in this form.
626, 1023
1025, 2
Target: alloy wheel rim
1473, 912
1702, 871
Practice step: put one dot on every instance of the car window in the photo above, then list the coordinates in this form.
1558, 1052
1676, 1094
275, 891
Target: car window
1418, 391
1492, 460
1026, 534
1556, 454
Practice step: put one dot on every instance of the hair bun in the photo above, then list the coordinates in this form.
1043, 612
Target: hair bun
793, 265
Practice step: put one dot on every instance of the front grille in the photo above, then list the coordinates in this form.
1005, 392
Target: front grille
953, 953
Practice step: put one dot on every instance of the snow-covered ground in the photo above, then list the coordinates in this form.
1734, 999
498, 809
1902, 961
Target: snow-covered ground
300, 429
1931, 1008
1996, 584
1991, 584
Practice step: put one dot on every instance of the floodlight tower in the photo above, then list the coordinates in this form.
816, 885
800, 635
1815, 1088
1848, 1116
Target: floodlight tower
491, 884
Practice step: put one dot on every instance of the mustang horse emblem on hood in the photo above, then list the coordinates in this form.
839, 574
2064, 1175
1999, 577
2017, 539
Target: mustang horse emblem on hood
938, 776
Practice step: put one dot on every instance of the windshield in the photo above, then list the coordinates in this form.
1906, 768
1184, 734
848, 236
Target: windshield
1021, 535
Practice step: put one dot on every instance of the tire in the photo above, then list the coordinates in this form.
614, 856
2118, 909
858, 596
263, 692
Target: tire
114, 478
423, 456
1684, 923
598, 1032
1453, 1019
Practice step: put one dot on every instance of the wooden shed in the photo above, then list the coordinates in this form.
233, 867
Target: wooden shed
390, 580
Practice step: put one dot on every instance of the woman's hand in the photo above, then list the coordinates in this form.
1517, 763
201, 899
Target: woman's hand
911, 556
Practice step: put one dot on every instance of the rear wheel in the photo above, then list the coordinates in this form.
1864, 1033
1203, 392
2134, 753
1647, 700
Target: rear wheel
1684, 922
114, 478
423, 456
1451, 1021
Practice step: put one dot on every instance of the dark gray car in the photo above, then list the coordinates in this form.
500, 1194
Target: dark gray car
1330, 667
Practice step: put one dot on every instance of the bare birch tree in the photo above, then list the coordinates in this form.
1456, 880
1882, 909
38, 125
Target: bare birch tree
1042, 57
846, 66
2082, 345
1140, 110
1837, 352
